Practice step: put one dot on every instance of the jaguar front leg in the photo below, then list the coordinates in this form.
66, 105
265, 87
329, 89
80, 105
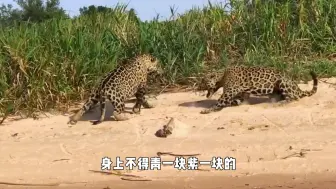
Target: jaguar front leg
141, 100
240, 98
226, 99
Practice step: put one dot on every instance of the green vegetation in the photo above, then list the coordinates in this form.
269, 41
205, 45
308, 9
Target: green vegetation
47, 64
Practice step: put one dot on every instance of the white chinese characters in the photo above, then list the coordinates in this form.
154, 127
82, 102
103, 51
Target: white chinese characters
180, 163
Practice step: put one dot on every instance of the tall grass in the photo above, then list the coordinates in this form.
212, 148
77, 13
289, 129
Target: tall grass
50, 64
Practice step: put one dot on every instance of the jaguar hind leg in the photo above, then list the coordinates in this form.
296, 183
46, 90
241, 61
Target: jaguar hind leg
88, 105
118, 112
287, 93
103, 101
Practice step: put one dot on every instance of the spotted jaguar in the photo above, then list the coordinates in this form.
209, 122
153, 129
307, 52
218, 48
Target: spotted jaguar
127, 80
239, 82
212, 82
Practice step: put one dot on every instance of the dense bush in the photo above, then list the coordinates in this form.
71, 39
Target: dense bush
48, 64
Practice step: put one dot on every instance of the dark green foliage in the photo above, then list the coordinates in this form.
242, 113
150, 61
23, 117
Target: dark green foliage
58, 60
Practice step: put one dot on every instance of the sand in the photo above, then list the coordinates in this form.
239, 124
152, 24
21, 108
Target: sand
290, 146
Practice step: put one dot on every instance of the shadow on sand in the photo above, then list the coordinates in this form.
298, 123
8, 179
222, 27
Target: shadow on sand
209, 102
94, 114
